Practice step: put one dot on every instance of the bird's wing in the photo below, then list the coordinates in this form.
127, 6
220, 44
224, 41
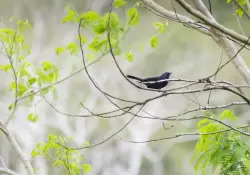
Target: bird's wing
151, 79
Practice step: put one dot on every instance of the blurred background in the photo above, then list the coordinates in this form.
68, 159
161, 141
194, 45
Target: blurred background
183, 51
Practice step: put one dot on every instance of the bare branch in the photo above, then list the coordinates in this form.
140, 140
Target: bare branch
238, 21
7, 171
228, 45
181, 135
213, 23
17, 149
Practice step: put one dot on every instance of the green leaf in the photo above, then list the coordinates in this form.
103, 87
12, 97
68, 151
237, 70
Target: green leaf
129, 56
12, 86
133, 15
227, 114
5, 67
153, 42
86, 168
21, 88
95, 45
31, 80
90, 56
114, 21
46, 65
59, 50
10, 106
34, 153
32, 117
119, 3
23, 69
21, 24
228, 1
89, 16
72, 47
161, 28
100, 26
202, 122
69, 17
239, 12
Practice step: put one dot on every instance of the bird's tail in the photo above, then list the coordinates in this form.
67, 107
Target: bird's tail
133, 77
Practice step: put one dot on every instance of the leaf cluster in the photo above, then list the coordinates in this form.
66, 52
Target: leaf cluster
54, 150
226, 152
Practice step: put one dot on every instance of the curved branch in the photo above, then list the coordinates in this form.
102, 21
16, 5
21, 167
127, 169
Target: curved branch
183, 134
17, 149
7, 171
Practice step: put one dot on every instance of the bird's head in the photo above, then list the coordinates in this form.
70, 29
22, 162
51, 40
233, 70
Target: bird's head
166, 75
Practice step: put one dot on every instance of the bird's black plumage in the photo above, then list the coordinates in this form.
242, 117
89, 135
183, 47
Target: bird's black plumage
152, 81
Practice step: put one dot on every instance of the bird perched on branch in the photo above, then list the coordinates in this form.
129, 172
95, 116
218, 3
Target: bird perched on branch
153, 82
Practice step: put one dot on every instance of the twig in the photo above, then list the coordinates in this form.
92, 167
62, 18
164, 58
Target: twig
181, 135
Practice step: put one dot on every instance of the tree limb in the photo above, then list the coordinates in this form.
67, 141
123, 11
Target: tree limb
17, 149
7, 171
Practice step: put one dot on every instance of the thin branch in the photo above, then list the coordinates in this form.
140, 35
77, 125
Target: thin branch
228, 45
238, 21
9, 55
108, 138
242, 8
210, 7
1, 159
181, 135
60, 81
228, 60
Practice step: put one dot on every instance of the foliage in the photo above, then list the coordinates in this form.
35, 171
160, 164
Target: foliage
227, 152
97, 25
239, 12
25, 75
54, 150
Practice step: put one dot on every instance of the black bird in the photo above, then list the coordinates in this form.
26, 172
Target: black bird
152, 81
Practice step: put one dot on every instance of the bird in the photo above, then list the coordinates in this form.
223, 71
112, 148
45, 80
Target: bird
151, 82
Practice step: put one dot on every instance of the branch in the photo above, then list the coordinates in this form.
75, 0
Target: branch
15, 78
181, 135
242, 8
228, 45
7, 171
169, 14
238, 21
17, 149
213, 23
